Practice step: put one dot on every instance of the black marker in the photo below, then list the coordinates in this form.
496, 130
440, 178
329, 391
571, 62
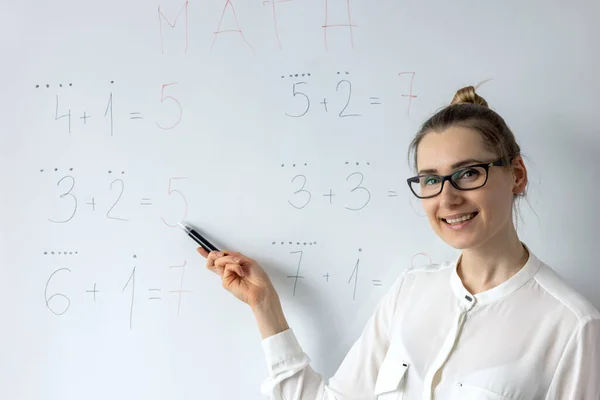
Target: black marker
198, 238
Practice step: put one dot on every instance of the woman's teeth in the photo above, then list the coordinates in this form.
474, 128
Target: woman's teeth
464, 218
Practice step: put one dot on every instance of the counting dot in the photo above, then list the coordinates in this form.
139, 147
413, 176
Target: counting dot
41, 170
70, 252
290, 242
47, 85
122, 172
134, 256
359, 249
112, 81
110, 172
297, 242
70, 84
305, 243
60, 85
282, 242
282, 76
282, 165
347, 72
37, 86
56, 169
291, 75
293, 165
338, 72
71, 169
296, 75
357, 163
308, 74
368, 163
52, 252
46, 253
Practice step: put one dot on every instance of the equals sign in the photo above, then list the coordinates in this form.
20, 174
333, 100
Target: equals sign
375, 100
135, 115
376, 282
146, 202
392, 193
154, 297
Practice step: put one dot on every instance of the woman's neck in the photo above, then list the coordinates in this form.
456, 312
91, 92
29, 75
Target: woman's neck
488, 265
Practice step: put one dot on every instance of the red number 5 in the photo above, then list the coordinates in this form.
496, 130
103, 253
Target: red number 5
162, 99
171, 191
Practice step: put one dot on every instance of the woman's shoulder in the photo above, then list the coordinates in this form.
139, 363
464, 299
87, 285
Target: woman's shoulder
552, 283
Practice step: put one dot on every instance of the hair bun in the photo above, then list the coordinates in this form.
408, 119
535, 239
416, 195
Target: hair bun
467, 95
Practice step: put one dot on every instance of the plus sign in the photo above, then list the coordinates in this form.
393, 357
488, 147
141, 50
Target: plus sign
324, 102
330, 195
84, 118
94, 291
93, 204
326, 276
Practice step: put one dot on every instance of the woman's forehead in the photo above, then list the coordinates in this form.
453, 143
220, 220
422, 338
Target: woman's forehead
443, 151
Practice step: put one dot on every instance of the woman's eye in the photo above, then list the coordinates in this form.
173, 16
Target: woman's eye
468, 173
431, 180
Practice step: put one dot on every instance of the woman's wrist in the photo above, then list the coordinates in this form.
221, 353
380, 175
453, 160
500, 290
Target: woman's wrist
269, 317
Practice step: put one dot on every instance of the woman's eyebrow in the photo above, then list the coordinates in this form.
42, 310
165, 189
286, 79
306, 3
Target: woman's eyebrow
453, 166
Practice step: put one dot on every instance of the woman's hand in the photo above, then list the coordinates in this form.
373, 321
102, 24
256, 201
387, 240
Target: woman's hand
241, 276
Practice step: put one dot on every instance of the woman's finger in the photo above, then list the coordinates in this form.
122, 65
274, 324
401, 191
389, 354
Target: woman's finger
202, 252
237, 268
210, 261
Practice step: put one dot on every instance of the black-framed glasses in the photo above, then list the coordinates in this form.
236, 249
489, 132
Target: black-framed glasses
466, 178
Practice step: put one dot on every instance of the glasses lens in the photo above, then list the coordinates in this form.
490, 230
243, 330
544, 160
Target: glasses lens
426, 185
470, 177
466, 178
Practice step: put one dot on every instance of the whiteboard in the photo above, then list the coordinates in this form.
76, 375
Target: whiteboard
279, 129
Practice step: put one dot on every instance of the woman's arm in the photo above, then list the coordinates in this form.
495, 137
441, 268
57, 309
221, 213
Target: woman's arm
292, 378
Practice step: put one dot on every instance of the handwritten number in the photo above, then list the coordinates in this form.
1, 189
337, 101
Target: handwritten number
109, 107
341, 114
68, 115
171, 191
301, 190
301, 94
132, 280
162, 99
297, 276
118, 198
49, 299
358, 187
68, 193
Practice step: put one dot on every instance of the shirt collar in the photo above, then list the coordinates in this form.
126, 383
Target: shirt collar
468, 300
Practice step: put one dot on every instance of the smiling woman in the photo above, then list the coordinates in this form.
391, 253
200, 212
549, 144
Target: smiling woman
495, 323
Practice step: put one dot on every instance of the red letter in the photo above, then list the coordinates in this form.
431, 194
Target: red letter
161, 16
238, 30
275, 16
410, 94
328, 25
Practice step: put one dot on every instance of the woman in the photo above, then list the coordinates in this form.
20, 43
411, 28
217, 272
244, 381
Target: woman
496, 323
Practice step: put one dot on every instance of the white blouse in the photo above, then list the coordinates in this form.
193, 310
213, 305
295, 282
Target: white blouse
531, 337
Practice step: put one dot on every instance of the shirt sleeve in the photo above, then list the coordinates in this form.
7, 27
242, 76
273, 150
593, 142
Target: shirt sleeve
292, 378
578, 373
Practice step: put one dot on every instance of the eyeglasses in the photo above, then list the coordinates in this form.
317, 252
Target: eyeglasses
467, 178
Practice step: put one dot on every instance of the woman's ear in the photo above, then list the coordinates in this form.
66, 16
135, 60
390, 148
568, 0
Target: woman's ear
519, 175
